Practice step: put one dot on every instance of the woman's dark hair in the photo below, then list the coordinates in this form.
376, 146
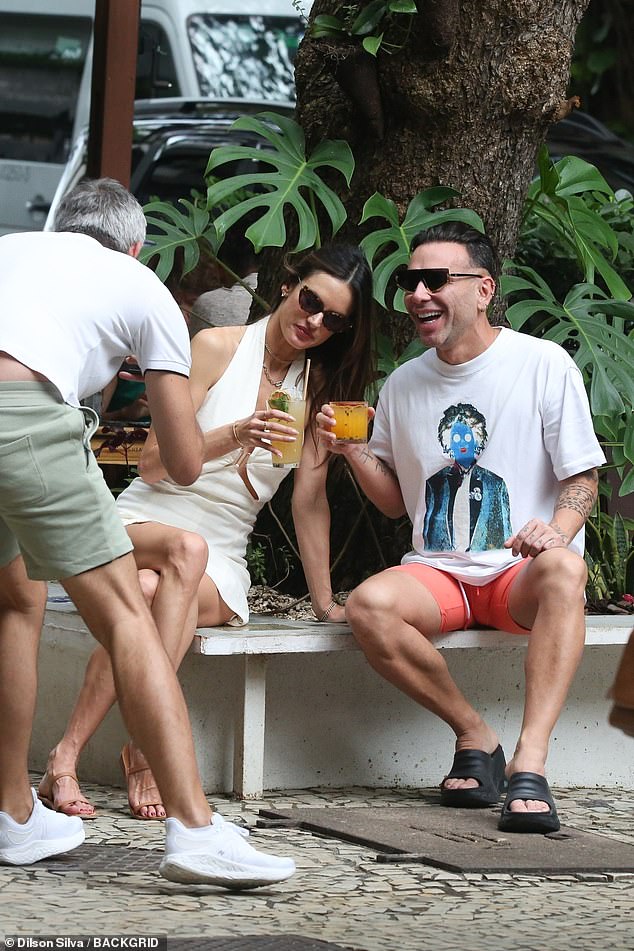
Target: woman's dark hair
341, 366
479, 247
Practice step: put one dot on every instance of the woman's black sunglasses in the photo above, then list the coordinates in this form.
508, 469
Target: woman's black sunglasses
311, 303
434, 278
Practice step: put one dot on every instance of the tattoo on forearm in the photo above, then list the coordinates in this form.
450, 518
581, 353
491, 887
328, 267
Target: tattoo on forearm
369, 457
579, 496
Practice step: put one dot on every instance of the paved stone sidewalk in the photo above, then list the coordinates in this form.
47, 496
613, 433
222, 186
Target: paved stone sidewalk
340, 894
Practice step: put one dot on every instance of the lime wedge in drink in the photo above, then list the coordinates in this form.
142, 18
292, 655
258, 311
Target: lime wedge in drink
279, 399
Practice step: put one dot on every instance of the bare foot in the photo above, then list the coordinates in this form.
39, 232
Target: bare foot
143, 795
483, 739
60, 791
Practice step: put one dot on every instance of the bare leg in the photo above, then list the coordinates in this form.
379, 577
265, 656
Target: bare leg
207, 610
547, 597
110, 601
22, 604
392, 617
179, 558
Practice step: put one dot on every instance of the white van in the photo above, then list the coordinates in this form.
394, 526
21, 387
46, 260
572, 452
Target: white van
239, 49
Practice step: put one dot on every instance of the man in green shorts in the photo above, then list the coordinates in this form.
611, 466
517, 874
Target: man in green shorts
73, 304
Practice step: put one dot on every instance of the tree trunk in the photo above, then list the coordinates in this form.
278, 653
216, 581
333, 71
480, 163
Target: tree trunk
466, 102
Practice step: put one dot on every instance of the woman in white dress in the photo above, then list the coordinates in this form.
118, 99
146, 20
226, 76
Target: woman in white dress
190, 541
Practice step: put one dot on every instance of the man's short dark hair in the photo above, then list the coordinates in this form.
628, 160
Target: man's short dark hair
479, 247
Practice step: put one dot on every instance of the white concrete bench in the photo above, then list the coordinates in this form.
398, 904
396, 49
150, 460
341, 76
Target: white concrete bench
266, 636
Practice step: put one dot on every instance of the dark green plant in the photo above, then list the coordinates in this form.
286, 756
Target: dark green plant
256, 562
190, 231
369, 23
557, 199
609, 556
388, 360
293, 183
577, 214
268, 564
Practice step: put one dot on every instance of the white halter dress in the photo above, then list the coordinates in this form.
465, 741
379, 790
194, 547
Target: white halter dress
218, 505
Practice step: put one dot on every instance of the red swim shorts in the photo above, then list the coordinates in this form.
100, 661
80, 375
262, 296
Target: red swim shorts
485, 605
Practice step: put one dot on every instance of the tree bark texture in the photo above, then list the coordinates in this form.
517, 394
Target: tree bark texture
465, 102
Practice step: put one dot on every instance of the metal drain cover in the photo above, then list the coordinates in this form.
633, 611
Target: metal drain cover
459, 840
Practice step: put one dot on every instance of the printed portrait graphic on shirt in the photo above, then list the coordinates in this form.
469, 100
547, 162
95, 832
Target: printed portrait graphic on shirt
467, 506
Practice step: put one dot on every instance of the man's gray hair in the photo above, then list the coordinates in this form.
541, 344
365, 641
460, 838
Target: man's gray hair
105, 210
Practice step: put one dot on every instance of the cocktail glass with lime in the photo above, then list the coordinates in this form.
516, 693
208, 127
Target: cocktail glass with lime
289, 401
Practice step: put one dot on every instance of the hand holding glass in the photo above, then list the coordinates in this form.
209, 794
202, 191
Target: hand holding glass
295, 406
351, 421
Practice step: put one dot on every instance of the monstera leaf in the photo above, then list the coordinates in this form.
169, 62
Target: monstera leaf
292, 183
169, 229
398, 235
591, 327
556, 199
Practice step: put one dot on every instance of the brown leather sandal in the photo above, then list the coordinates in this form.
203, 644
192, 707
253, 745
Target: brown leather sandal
149, 794
46, 796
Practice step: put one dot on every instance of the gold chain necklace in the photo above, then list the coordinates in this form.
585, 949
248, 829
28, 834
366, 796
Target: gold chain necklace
266, 372
273, 383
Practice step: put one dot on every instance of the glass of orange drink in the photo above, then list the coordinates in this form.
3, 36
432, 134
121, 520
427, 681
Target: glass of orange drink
351, 421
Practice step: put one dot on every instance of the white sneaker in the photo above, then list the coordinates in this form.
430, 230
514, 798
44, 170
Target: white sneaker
220, 856
44, 833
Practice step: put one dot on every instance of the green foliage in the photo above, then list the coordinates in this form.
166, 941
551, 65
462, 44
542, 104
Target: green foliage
609, 556
363, 21
590, 326
578, 232
398, 234
388, 360
601, 72
256, 562
557, 199
172, 229
293, 183
268, 565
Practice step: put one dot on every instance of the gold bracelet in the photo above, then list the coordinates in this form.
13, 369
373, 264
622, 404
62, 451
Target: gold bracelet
235, 435
324, 617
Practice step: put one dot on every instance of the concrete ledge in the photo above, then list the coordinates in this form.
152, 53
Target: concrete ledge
332, 721
271, 635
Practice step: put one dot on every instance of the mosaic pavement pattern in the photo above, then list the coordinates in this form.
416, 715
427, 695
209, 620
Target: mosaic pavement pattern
341, 897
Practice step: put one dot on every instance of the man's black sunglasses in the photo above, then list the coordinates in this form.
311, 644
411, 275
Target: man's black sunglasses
434, 278
311, 303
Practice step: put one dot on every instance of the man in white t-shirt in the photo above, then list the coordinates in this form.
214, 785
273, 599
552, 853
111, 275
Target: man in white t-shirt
486, 442
72, 305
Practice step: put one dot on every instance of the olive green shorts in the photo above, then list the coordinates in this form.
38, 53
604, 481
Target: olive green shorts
55, 508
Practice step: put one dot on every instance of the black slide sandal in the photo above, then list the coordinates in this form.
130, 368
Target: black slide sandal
529, 786
487, 768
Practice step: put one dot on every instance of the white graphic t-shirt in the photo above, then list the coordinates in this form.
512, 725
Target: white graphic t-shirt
479, 448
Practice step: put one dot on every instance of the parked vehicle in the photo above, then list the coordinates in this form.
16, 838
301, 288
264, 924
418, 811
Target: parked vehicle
187, 48
172, 140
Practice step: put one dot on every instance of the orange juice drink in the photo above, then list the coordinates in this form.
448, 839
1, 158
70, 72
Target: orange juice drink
351, 421
290, 402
